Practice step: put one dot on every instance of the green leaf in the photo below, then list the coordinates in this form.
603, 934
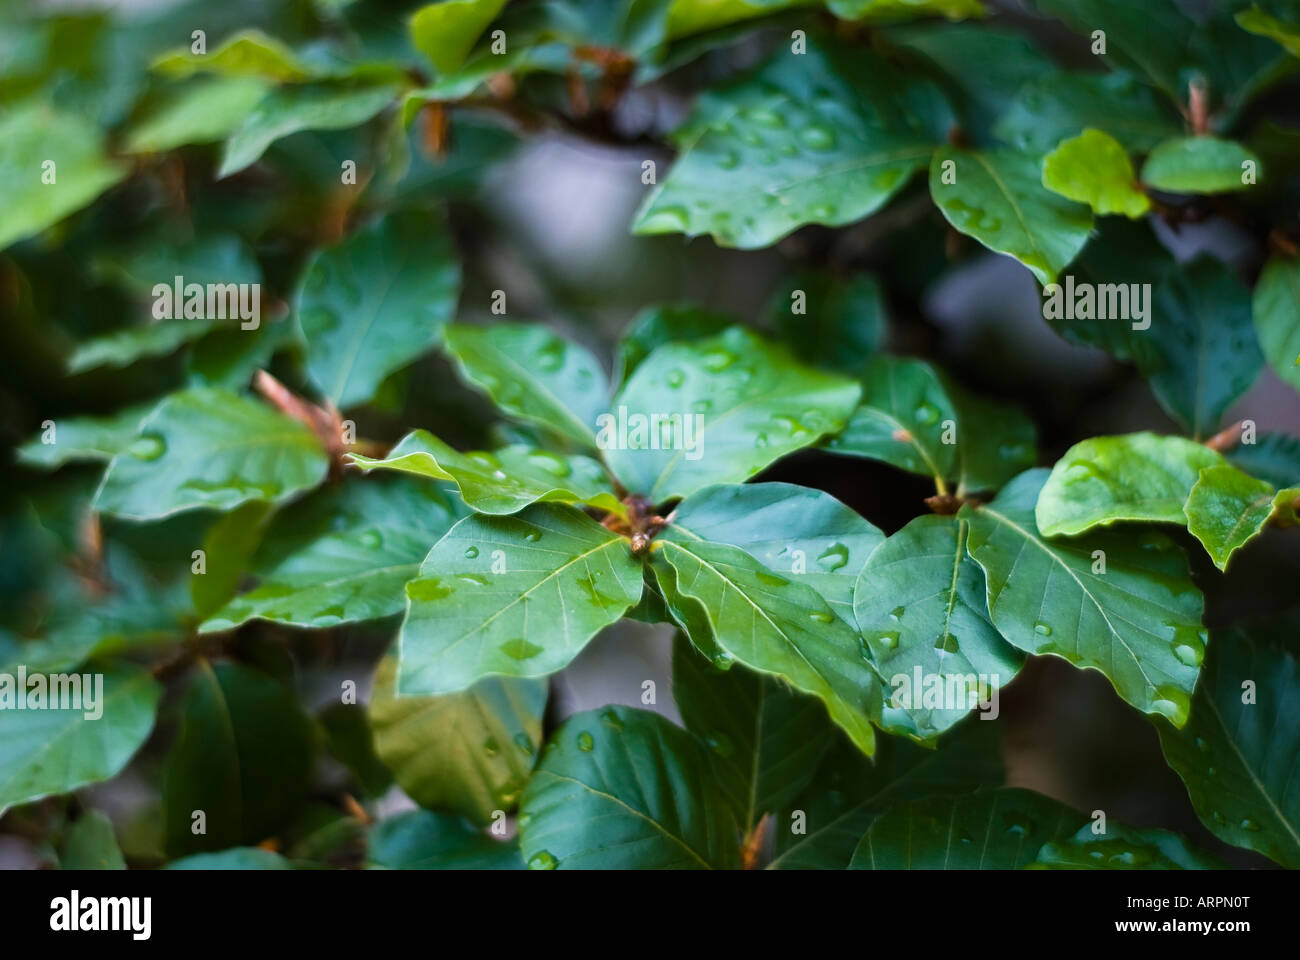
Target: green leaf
1254, 20
1239, 752
995, 441
470, 752
216, 257
32, 137
920, 604
1205, 356
796, 532
376, 302
840, 323
288, 110
321, 568
1137, 476
901, 419
1122, 847
445, 32
208, 109
228, 547
47, 752
243, 755
1274, 457
764, 739
515, 596
656, 326
534, 376
999, 829
1227, 509
624, 788
695, 16
236, 858
423, 840
890, 9
1094, 169
248, 53
774, 156
210, 448
1138, 622
124, 347
741, 402
776, 625
502, 482
1276, 312
91, 844
999, 199
1199, 165
84, 438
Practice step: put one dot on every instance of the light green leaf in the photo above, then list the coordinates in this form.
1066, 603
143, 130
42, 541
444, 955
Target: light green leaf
695, 16
236, 858
1254, 20
1094, 169
210, 448
91, 844
1239, 752
84, 438
228, 547
1122, 847
445, 32
124, 347
1000, 829
502, 482
376, 302
1276, 312
288, 110
516, 596
1199, 165
655, 326
625, 788
741, 402
901, 419
470, 752
423, 840
840, 323
893, 9
208, 109
1138, 622
764, 739
920, 604
32, 137
771, 156
776, 625
999, 199
1227, 509
46, 752
533, 375
248, 53
797, 532
1137, 476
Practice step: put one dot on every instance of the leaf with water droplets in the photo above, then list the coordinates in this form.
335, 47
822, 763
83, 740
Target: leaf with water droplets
776, 625
1276, 313
1110, 601
210, 448
425, 840
533, 375
797, 532
502, 482
1093, 168
828, 136
723, 408
625, 788
1240, 751
376, 302
515, 596
999, 199
921, 608
672, 323
1104, 480
470, 752
1123, 847
1227, 508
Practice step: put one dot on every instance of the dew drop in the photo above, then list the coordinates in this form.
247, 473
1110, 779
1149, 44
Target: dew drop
148, 446
585, 743
471, 553
817, 137
1042, 629
821, 616
833, 557
541, 860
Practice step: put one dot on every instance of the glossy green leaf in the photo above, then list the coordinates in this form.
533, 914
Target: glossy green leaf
1239, 752
920, 604
1122, 847
1228, 508
39, 195
248, 53
999, 199
533, 375
656, 326
208, 109
1057, 105
776, 625
624, 788
1276, 313
445, 32
1138, 622
832, 323
210, 448
1001, 829
741, 403
515, 596
1137, 476
83, 438
375, 302
1093, 168
424, 840
502, 482
91, 844
797, 532
470, 752
1200, 165
46, 752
